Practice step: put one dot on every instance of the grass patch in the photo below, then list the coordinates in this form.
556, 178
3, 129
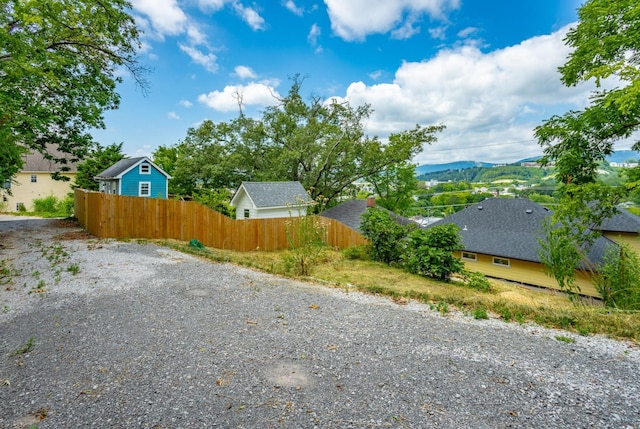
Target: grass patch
510, 302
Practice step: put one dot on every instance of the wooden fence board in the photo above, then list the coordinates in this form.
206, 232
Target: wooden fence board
116, 216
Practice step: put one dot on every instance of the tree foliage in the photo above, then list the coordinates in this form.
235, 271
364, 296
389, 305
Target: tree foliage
618, 281
395, 187
60, 62
606, 44
320, 143
99, 159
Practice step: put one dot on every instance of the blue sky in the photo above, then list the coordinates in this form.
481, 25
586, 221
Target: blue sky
486, 69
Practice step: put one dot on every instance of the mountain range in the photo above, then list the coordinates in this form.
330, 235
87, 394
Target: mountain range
618, 156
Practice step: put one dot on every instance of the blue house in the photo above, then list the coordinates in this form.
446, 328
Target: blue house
138, 177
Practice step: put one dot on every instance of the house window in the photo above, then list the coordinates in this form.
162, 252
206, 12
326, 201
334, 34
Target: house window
246, 213
467, 256
145, 169
7, 184
34, 178
144, 189
501, 261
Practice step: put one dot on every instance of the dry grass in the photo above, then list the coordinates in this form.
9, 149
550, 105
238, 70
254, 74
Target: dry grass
510, 302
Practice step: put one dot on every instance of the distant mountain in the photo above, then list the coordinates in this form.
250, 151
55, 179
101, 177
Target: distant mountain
618, 156
458, 165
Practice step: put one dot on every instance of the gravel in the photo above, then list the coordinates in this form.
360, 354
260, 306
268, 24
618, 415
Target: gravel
144, 336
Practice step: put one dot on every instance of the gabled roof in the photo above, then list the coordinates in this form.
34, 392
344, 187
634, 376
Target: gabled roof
273, 194
34, 162
350, 213
508, 228
122, 167
624, 221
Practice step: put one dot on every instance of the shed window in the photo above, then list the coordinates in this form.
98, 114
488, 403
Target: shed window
468, 256
246, 213
145, 169
144, 189
34, 178
501, 261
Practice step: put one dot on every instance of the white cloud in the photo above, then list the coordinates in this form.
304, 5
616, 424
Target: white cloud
165, 16
494, 98
208, 61
185, 103
466, 32
244, 72
253, 94
290, 4
211, 5
250, 16
313, 35
355, 19
376, 75
405, 32
173, 115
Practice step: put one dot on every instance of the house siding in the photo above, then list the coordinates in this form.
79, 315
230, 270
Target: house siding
24, 191
526, 272
244, 202
129, 184
630, 238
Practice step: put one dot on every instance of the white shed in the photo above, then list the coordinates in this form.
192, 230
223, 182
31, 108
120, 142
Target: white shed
259, 200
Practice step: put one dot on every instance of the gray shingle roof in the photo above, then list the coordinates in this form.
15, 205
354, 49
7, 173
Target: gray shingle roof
276, 194
508, 228
119, 167
624, 221
34, 161
350, 213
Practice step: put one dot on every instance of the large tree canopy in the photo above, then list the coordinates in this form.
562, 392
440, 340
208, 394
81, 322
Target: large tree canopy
319, 143
59, 65
606, 44
97, 160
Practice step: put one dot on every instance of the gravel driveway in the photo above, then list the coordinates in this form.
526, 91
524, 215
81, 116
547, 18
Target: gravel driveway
125, 335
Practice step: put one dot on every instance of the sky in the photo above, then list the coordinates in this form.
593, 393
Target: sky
486, 69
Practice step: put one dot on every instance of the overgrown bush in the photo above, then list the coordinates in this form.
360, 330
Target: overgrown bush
48, 204
618, 280
430, 252
307, 240
386, 236
216, 199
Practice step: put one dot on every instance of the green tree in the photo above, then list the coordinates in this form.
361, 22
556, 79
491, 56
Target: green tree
60, 62
606, 44
396, 186
99, 159
618, 280
320, 144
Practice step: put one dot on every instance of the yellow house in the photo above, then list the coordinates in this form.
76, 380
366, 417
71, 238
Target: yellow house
35, 181
500, 238
623, 228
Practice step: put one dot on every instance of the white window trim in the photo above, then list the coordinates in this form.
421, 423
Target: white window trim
473, 257
508, 264
247, 214
140, 184
148, 168
34, 178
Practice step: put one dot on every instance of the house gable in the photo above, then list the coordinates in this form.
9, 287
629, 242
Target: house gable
135, 177
270, 200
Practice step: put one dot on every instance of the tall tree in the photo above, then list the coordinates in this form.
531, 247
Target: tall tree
606, 45
60, 62
99, 159
321, 144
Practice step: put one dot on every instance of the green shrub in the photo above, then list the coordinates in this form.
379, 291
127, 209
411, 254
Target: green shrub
66, 206
618, 280
480, 313
307, 239
430, 252
476, 281
48, 204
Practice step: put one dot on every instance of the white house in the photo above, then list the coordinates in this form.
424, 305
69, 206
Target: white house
259, 200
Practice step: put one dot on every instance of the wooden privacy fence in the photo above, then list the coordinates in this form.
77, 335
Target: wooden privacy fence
116, 216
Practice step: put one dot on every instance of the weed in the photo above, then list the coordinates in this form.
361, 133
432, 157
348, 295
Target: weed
519, 318
7, 271
480, 313
442, 307
26, 348
565, 339
73, 269
506, 315
5, 309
